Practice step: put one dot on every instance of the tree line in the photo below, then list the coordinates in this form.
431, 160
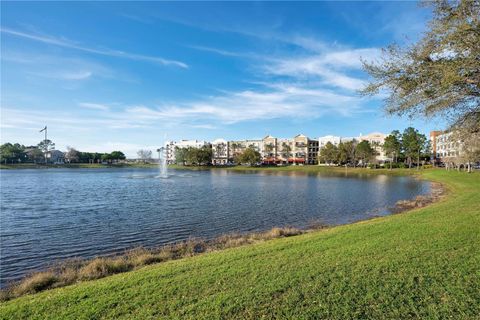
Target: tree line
407, 148
11, 153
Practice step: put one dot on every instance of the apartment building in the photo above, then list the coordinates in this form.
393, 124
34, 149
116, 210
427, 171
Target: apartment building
443, 146
220, 152
236, 147
297, 150
376, 140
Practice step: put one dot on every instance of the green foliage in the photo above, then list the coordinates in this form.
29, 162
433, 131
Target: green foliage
438, 75
193, 156
392, 145
413, 145
329, 153
12, 153
46, 145
250, 157
365, 152
422, 265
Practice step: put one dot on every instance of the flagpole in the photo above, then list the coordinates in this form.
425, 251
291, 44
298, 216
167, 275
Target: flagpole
46, 147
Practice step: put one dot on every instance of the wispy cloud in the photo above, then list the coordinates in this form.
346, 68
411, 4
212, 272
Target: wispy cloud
62, 42
279, 101
226, 52
332, 68
95, 106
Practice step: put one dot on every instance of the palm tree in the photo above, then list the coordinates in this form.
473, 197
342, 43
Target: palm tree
286, 149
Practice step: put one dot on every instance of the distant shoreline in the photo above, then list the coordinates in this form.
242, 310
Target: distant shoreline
76, 166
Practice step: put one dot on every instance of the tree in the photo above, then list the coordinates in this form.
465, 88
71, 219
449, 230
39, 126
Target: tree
12, 152
392, 146
413, 145
440, 74
46, 146
144, 155
365, 151
117, 155
180, 156
250, 157
329, 153
35, 155
349, 150
72, 155
287, 150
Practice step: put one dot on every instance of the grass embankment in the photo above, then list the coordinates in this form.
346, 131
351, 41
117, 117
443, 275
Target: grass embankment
423, 264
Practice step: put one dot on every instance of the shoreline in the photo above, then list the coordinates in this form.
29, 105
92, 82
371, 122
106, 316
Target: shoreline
71, 271
387, 262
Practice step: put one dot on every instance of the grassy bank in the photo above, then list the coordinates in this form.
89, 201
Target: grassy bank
422, 264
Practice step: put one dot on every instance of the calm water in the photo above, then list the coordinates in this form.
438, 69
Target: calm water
62, 213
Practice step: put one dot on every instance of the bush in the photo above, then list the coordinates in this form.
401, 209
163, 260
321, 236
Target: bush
102, 267
35, 283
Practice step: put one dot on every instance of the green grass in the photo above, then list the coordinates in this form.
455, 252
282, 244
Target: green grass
421, 264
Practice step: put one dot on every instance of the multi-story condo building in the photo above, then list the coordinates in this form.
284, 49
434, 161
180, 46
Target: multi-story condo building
376, 140
236, 147
444, 146
171, 146
322, 141
220, 152
299, 149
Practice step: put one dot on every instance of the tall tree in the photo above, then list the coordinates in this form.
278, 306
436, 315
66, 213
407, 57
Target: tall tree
438, 75
392, 146
287, 150
72, 155
413, 144
365, 152
250, 157
329, 153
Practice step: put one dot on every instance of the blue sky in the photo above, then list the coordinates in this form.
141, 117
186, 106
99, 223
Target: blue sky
120, 75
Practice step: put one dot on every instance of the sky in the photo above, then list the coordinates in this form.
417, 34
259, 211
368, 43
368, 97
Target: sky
107, 76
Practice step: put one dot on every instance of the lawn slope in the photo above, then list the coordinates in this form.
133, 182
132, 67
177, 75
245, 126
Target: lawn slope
421, 264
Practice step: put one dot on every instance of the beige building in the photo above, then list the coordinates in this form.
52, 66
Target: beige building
298, 150
376, 140
220, 152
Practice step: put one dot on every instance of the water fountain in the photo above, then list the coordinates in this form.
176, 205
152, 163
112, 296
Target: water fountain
162, 162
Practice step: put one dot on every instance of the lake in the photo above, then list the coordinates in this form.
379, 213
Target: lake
53, 214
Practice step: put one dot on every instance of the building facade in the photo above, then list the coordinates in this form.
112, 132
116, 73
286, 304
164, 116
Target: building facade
444, 146
376, 140
220, 152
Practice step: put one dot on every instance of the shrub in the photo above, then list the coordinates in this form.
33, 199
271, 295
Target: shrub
35, 283
102, 267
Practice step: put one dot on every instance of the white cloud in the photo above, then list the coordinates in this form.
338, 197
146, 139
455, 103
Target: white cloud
61, 42
331, 68
96, 106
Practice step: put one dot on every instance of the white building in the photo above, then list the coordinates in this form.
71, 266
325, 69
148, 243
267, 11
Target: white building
171, 146
322, 141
